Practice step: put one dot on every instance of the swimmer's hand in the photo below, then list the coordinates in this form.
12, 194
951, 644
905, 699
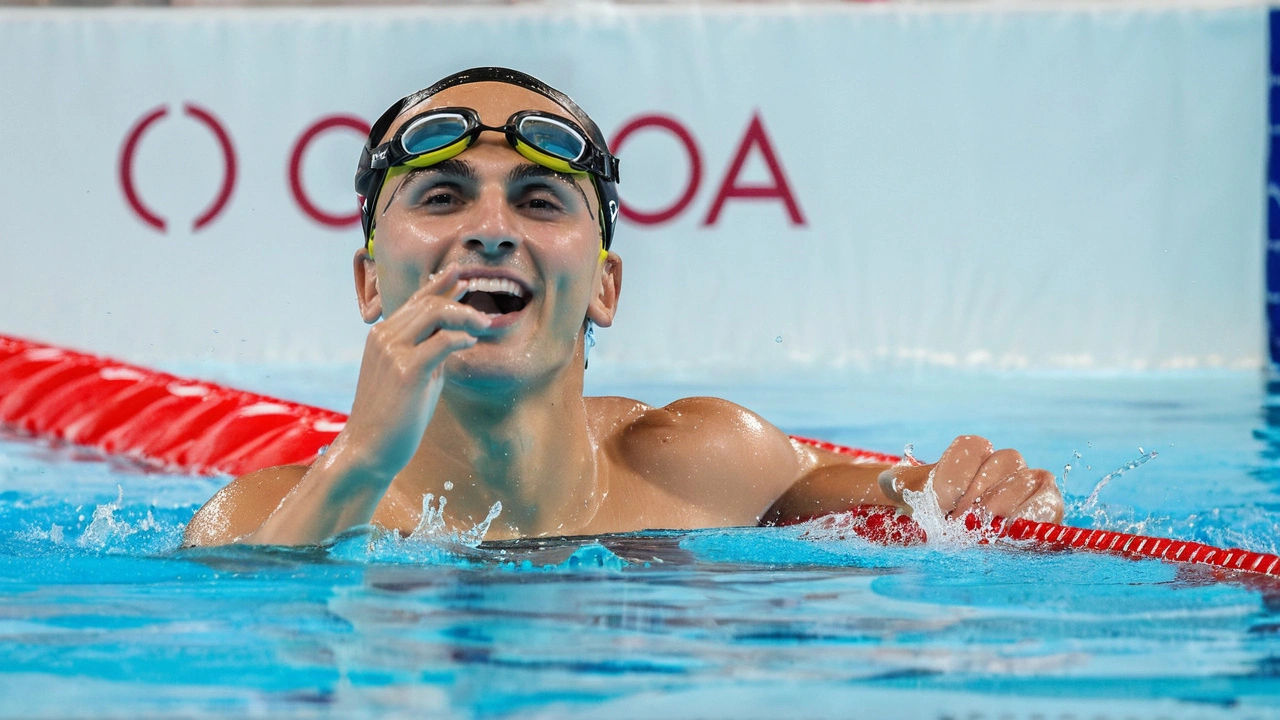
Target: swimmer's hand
970, 476
401, 375
402, 372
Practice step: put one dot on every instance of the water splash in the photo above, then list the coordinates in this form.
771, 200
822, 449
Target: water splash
105, 527
1140, 460
908, 457
940, 529
1066, 469
433, 529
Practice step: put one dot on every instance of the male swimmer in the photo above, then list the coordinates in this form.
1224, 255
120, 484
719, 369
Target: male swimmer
489, 211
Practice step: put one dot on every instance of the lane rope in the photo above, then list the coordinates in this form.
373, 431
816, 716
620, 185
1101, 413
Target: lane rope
182, 425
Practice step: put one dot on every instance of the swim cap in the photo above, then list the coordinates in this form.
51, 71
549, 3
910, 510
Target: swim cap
368, 180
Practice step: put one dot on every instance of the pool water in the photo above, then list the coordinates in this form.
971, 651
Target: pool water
102, 616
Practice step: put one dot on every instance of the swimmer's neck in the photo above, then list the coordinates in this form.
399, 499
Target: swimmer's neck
531, 449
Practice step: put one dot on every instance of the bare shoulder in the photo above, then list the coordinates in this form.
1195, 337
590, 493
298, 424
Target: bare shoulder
708, 449
242, 506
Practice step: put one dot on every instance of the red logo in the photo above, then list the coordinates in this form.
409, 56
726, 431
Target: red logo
324, 124
755, 140
130, 148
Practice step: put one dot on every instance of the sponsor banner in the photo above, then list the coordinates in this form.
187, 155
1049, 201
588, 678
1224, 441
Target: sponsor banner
805, 189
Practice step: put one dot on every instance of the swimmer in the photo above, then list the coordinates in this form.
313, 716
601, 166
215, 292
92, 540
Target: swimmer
488, 215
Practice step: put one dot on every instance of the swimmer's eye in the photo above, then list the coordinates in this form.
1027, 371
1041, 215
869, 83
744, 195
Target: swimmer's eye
542, 201
438, 197
542, 204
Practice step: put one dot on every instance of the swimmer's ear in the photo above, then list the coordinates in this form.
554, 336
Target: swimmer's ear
604, 305
366, 272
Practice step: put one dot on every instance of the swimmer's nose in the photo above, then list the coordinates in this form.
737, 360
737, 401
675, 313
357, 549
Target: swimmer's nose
493, 233
491, 245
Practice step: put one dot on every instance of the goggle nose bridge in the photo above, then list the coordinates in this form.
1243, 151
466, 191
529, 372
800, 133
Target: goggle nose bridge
515, 131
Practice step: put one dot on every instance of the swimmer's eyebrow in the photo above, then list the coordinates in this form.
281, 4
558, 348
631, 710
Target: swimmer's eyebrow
530, 171
453, 166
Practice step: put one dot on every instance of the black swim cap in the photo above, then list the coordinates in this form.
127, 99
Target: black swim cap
368, 180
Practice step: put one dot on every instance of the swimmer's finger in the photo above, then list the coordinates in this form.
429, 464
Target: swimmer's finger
433, 351
1005, 497
429, 296
441, 284
449, 316
899, 478
957, 469
424, 314
1045, 504
998, 466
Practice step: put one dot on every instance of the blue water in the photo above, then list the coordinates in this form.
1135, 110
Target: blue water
101, 615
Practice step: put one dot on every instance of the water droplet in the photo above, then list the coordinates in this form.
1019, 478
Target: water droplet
778, 339
1093, 496
448, 484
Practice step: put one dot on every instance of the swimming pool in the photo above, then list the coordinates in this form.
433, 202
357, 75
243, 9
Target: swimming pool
101, 616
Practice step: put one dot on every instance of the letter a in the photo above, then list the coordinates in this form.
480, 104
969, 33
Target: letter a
779, 189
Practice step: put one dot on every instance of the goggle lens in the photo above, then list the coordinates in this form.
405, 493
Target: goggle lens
434, 132
552, 137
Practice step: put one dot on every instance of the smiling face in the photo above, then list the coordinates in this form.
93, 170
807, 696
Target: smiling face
526, 237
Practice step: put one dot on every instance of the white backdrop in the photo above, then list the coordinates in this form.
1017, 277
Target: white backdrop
1080, 186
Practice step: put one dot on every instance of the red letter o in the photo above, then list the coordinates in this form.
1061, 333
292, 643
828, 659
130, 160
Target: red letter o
324, 124
673, 126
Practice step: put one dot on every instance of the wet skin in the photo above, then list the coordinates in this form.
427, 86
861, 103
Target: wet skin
487, 268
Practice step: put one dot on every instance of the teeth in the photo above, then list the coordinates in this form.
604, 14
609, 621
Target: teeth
495, 285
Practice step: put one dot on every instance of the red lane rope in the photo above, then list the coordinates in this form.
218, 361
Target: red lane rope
185, 425
161, 420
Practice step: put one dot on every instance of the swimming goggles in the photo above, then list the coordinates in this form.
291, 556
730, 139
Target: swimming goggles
444, 133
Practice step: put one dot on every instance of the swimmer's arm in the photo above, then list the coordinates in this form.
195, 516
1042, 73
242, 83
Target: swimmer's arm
401, 374
832, 484
729, 463
282, 506
241, 507
970, 476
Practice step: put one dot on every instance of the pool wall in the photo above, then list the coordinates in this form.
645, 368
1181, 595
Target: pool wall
806, 188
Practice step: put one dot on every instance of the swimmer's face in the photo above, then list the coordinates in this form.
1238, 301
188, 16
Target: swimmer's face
501, 219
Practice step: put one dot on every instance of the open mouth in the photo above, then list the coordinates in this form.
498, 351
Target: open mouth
495, 296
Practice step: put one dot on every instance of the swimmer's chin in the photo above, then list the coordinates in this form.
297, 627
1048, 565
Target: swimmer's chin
488, 367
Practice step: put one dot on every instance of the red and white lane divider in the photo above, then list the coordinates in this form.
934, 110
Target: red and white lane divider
165, 421
185, 425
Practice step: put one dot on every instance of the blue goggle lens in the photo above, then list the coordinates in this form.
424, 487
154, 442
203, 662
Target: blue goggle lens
553, 138
433, 133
